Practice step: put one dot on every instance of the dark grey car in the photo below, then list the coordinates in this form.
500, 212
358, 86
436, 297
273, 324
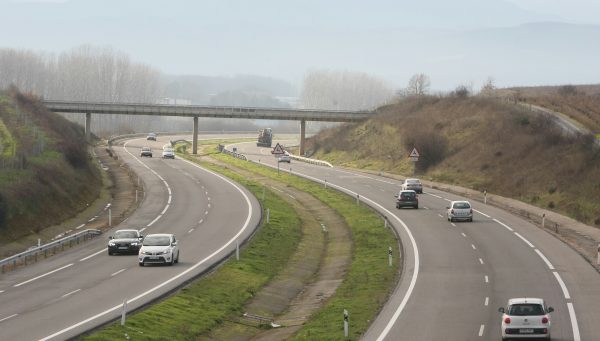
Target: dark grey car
407, 199
125, 241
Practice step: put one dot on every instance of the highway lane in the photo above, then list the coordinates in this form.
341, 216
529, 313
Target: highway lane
465, 271
84, 287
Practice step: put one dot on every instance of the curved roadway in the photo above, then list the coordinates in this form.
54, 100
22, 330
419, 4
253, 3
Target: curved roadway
83, 287
456, 275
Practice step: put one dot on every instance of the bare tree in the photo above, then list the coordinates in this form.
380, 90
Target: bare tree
343, 90
488, 88
418, 85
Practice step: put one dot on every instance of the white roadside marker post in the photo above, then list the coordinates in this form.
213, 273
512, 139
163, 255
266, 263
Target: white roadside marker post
325, 184
390, 255
345, 323
357, 199
109, 218
124, 312
485, 197
598, 261
268, 214
237, 250
543, 219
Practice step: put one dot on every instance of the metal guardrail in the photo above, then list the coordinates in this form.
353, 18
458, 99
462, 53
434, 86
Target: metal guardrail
234, 154
309, 160
33, 253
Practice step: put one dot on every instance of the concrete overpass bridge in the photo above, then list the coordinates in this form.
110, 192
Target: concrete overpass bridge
195, 111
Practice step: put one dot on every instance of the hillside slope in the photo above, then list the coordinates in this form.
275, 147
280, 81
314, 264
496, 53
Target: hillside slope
479, 143
46, 173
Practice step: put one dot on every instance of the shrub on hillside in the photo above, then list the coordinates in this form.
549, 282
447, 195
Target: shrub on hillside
432, 146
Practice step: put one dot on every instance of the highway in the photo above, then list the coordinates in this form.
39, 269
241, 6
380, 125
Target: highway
457, 275
83, 287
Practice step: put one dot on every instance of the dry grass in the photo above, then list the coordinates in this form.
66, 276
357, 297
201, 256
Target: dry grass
490, 145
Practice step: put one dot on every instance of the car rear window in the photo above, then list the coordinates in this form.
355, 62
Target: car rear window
526, 309
407, 195
413, 181
461, 205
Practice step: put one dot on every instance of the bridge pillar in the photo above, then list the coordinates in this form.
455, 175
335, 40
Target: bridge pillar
302, 136
88, 126
195, 137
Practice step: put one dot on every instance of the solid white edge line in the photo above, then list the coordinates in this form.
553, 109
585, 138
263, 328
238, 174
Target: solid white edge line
481, 329
93, 254
574, 325
118, 272
154, 221
8, 317
550, 266
183, 273
44, 275
503, 224
562, 285
70, 293
483, 214
413, 242
524, 239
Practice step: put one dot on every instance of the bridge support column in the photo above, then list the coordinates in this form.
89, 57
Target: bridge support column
195, 137
302, 136
88, 127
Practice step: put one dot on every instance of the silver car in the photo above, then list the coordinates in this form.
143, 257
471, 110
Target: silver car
459, 210
159, 249
413, 184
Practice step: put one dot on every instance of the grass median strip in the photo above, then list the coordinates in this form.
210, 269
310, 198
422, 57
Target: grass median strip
370, 280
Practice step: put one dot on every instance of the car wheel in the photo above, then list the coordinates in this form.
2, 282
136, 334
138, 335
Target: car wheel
471, 220
451, 219
172, 261
177, 259
110, 253
141, 263
417, 207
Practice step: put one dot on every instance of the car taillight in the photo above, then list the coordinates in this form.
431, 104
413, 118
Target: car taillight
507, 320
544, 320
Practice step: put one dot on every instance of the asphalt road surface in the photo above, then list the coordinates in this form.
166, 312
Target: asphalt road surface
83, 287
457, 275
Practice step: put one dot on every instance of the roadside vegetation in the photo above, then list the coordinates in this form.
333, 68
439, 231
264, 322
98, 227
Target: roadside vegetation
46, 173
205, 304
476, 142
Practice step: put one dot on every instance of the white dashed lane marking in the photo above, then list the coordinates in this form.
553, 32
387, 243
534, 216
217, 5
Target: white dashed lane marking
70, 293
480, 260
95, 254
481, 330
118, 272
8, 317
487, 279
44, 275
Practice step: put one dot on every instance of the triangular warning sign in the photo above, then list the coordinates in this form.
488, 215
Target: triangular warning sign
414, 153
278, 149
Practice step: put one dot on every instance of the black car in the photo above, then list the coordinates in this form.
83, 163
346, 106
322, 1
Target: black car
407, 198
125, 241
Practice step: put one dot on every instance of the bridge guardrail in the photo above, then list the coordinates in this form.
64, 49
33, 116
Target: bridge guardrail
34, 252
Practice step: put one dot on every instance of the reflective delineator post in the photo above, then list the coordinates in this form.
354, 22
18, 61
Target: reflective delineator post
357, 199
485, 197
598, 261
237, 250
390, 255
543, 219
345, 323
325, 184
385, 223
109, 218
124, 312
136, 195
268, 213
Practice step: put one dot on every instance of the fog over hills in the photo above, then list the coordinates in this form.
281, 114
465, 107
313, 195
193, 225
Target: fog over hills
517, 42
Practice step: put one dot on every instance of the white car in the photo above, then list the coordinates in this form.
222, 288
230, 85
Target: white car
526, 318
284, 158
168, 153
413, 184
459, 210
159, 249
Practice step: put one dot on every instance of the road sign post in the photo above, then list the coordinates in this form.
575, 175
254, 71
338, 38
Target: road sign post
414, 157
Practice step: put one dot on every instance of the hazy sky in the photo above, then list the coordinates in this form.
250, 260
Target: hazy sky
454, 42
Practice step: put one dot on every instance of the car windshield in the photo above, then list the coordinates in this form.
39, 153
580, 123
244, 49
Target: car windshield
125, 234
157, 241
407, 195
526, 309
461, 205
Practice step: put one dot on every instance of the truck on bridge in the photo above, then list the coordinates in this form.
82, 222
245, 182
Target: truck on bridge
265, 137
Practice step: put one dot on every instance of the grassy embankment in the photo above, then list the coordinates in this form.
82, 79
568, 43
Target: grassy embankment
202, 305
46, 174
478, 143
